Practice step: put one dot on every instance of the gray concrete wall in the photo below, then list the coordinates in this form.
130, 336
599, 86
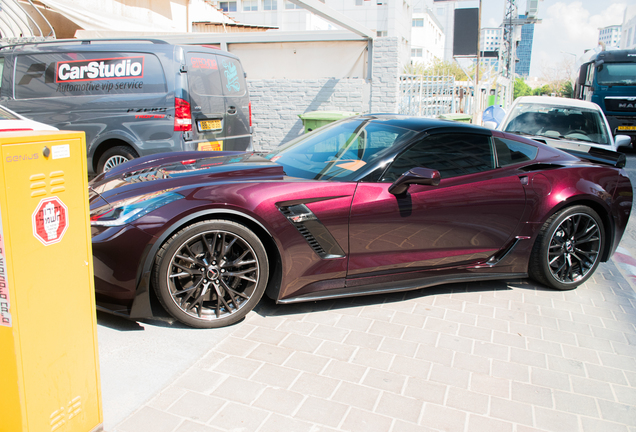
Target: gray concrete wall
276, 103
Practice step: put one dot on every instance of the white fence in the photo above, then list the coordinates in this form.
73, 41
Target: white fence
432, 96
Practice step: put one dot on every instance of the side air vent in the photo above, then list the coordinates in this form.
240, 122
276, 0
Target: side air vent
540, 167
146, 175
311, 239
314, 232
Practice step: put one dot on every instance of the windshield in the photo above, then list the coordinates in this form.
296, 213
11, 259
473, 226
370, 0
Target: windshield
338, 151
617, 74
7, 115
558, 122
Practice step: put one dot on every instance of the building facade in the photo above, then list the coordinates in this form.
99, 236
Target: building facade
524, 50
489, 44
427, 38
628, 29
610, 36
385, 18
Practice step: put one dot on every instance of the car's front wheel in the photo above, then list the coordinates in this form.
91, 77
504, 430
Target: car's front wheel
568, 248
211, 274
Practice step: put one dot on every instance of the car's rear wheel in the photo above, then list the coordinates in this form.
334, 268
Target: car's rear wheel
115, 156
211, 274
568, 248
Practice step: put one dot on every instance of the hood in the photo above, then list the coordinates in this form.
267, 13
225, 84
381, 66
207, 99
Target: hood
143, 175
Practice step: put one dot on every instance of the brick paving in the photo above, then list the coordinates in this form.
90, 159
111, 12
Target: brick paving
494, 356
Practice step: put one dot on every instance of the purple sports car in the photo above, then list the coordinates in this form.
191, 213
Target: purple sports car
370, 204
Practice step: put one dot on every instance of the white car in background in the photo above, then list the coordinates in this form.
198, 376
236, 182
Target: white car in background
11, 122
562, 123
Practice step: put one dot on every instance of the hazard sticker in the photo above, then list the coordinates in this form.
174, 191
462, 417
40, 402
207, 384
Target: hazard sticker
50, 220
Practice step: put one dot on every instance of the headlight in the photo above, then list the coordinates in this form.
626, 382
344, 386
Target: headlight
128, 210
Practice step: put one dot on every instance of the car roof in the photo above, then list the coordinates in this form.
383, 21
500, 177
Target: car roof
549, 100
153, 44
420, 124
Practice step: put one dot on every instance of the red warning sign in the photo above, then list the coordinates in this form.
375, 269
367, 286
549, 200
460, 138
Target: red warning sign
50, 220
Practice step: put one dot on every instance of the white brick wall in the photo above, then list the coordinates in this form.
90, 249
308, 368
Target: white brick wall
386, 75
276, 103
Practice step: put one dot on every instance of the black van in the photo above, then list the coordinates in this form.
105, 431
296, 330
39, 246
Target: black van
132, 97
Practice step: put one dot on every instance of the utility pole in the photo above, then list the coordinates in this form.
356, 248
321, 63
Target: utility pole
477, 97
511, 35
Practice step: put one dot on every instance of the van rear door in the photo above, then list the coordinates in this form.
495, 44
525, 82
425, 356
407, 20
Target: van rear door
237, 100
219, 102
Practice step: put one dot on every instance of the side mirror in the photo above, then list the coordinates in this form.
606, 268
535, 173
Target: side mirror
490, 124
623, 141
418, 175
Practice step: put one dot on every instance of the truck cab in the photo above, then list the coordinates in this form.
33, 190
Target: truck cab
609, 80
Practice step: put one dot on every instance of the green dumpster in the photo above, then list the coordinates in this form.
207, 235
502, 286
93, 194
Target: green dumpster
464, 118
315, 119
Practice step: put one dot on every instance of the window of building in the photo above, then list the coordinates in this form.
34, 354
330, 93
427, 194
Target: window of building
418, 22
227, 6
416, 52
290, 5
358, 2
270, 4
250, 5
382, 33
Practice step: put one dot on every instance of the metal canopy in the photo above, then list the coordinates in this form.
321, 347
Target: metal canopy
260, 37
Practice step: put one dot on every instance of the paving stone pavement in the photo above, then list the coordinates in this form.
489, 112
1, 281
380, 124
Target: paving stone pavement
508, 356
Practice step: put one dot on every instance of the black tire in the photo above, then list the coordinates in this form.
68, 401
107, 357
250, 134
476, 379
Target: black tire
568, 248
115, 156
211, 274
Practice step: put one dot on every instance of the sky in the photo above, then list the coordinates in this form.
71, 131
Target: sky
568, 26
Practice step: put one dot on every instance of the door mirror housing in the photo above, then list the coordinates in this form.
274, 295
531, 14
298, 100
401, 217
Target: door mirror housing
623, 141
418, 175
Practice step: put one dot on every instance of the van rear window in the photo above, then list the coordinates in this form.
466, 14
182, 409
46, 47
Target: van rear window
204, 77
87, 74
212, 75
232, 77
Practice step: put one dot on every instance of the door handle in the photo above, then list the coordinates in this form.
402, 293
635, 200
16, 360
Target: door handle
231, 110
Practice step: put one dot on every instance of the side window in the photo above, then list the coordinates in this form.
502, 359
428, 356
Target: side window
452, 154
510, 152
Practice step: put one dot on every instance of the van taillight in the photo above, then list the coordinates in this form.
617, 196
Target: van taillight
250, 105
182, 116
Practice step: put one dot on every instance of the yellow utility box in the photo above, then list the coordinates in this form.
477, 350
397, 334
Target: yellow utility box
49, 368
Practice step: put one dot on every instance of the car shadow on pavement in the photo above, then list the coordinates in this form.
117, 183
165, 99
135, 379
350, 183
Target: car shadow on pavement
268, 307
122, 323
117, 322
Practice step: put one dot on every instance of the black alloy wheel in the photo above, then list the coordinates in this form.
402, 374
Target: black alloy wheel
568, 249
211, 274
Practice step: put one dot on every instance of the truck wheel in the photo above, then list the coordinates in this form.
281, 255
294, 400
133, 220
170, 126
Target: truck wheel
115, 156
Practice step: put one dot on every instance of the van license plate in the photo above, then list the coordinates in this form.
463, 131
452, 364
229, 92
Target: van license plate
210, 146
206, 125
626, 128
